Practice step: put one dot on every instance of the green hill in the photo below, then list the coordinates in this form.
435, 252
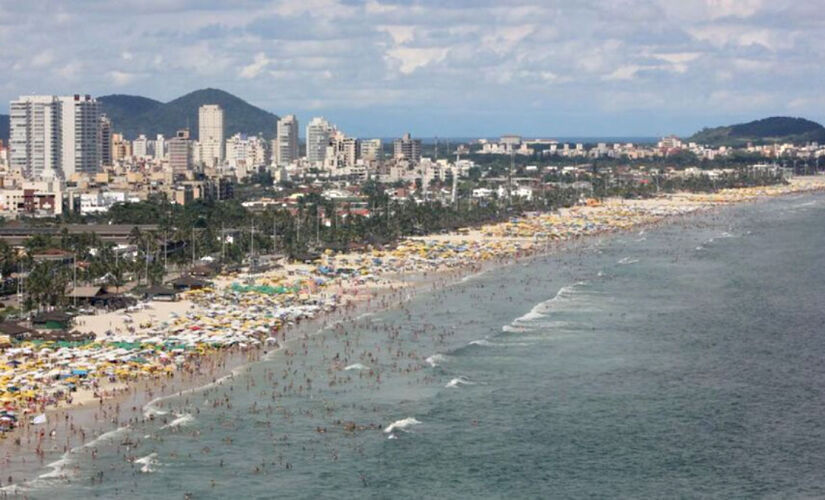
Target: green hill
135, 115
4, 128
767, 130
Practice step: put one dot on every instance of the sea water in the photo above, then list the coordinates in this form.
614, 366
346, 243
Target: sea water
682, 361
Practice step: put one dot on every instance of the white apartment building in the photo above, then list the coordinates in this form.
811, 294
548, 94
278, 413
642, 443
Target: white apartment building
318, 133
35, 136
342, 152
102, 201
80, 131
140, 147
244, 154
160, 147
211, 134
371, 149
286, 139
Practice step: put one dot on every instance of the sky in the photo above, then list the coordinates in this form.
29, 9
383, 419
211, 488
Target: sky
445, 68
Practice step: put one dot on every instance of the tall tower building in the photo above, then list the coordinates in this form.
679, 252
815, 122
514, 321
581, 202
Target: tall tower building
55, 136
35, 136
287, 140
318, 134
210, 134
80, 130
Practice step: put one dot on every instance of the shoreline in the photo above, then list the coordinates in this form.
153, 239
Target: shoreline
141, 398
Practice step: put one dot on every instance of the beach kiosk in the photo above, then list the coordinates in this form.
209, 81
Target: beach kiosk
185, 283
158, 292
52, 320
14, 330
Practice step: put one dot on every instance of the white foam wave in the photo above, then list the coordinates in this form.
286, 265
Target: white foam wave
483, 343
514, 329
401, 425
454, 383
436, 359
357, 366
541, 309
627, 260
147, 462
151, 411
182, 419
58, 468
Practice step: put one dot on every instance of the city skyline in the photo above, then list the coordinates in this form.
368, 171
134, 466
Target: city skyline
632, 68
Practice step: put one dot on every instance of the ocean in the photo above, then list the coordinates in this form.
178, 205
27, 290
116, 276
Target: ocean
683, 360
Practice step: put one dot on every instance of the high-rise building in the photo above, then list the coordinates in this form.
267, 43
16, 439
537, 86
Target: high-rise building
35, 136
342, 151
160, 147
80, 131
140, 147
318, 133
287, 140
407, 148
180, 153
55, 136
371, 149
105, 140
210, 134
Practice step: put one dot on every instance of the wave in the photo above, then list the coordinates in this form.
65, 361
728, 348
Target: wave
627, 260
514, 329
487, 343
436, 359
401, 425
147, 462
182, 419
58, 468
150, 406
357, 366
454, 383
151, 411
483, 343
541, 309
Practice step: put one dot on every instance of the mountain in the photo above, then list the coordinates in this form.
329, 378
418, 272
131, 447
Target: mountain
122, 108
4, 128
135, 115
767, 130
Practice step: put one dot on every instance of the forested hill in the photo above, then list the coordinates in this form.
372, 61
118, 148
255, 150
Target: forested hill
134, 115
768, 130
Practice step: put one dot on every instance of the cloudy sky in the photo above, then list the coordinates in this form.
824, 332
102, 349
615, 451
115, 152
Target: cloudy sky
437, 67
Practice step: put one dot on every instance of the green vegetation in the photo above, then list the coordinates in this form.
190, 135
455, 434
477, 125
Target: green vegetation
134, 115
768, 130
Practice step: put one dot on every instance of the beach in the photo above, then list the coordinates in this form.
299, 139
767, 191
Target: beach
164, 348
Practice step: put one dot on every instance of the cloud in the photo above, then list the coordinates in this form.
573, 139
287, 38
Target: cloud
121, 78
480, 63
414, 58
254, 69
